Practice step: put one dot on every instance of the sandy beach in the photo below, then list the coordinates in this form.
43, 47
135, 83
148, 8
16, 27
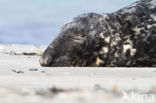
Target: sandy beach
23, 80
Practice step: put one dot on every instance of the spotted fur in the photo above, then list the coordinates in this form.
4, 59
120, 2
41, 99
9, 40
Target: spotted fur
124, 38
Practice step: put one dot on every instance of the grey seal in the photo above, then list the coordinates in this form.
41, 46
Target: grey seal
125, 38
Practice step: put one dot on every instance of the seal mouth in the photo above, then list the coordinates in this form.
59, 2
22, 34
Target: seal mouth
49, 62
60, 65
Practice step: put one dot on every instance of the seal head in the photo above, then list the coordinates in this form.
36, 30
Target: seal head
76, 44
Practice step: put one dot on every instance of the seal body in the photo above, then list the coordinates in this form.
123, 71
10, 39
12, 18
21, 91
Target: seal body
125, 38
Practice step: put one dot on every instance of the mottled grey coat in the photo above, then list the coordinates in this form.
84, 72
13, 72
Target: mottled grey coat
124, 38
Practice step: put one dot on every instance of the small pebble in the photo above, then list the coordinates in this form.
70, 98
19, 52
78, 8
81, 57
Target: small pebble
25, 91
12, 53
40, 92
18, 71
30, 54
43, 71
33, 69
97, 86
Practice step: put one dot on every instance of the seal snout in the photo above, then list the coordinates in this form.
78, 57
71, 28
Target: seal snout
45, 61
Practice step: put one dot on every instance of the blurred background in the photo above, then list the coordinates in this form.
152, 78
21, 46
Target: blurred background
38, 21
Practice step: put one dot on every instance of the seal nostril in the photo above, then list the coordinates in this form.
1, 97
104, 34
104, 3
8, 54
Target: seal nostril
45, 61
